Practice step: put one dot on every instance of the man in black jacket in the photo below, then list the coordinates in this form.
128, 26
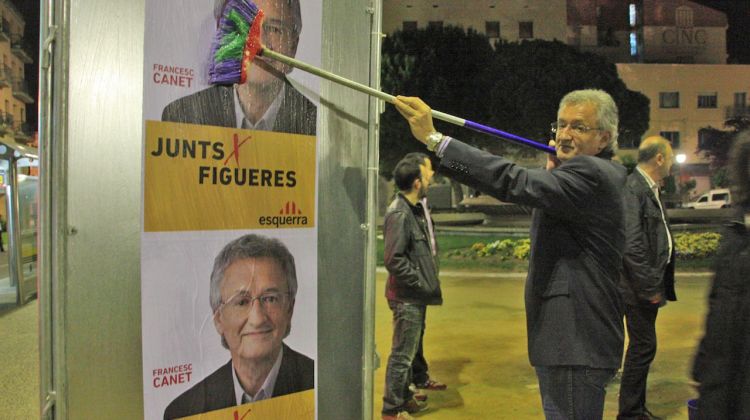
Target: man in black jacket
267, 100
411, 259
648, 277
573, 307
722, 364
253, 290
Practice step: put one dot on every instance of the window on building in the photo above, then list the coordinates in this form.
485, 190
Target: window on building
632, 15
633, 44
740, 99
669, 99
707, 100
410, 25
525, 30
492, 29
435, 24
683, 17
672, 136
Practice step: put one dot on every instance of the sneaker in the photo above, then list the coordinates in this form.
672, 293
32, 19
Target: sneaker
419, 395
432, 385
400, 416
413, 406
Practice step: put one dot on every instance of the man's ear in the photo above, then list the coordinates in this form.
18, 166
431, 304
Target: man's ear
606, 136
414, 185
218, 324
660, 159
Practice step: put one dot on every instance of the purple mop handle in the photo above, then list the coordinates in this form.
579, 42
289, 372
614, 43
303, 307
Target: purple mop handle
442, 116
508, 136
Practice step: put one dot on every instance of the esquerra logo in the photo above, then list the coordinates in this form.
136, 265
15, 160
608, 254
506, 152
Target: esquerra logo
174, 148
289, 215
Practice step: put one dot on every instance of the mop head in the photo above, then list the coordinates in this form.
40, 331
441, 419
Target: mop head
236, 43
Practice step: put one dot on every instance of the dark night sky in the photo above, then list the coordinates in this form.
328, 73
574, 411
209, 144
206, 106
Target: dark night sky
738, 37
738, 34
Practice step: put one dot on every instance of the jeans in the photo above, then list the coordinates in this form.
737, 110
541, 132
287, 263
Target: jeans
641, 324
573, 392
419, 368
408, 321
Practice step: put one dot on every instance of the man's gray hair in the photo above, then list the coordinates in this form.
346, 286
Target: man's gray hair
606, 112
252, 246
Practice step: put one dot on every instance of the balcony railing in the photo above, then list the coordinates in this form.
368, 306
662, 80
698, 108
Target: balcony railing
21, 91
21, 50
736, 111
22, 131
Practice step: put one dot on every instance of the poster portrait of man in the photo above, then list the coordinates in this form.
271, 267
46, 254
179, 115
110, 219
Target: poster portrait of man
267, 100
253, 288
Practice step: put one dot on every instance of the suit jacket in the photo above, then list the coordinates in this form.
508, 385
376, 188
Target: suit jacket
216, 391
646, 268
215, 106
573, 308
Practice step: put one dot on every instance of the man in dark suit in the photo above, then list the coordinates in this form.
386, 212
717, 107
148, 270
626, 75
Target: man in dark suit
573, 308
648, 278
267, 100
253, 289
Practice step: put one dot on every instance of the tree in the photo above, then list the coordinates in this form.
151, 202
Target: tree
714, 144
515, 87
444, 67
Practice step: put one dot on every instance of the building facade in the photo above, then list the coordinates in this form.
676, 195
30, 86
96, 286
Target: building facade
686, 98
498, 19
14, 91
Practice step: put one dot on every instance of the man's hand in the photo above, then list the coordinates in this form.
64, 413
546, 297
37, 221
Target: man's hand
418, 114
655, 299
552, 161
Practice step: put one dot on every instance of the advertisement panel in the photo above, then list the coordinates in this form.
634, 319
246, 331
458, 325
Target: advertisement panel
229, 239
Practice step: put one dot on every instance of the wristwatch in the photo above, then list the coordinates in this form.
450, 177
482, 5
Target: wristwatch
433, 140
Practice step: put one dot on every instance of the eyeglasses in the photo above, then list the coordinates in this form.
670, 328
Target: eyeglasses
577, 129
241, 303
278, 32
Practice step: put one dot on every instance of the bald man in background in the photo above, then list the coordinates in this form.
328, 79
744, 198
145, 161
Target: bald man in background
647, 282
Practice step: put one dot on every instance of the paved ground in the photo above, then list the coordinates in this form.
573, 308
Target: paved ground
476, 342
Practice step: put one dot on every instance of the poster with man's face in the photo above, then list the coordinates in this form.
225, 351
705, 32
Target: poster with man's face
229, 240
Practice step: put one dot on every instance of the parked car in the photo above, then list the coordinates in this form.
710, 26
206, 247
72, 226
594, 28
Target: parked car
714, 199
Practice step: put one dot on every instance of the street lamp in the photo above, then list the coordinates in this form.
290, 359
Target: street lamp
680, 158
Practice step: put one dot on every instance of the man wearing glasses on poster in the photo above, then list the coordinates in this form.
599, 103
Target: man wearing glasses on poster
253, 290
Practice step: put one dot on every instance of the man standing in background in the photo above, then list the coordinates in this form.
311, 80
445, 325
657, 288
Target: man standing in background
411, 260
648, 278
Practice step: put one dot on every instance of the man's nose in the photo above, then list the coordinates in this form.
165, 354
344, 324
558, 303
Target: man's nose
256, 314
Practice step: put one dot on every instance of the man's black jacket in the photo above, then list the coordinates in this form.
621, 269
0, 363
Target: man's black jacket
412, 270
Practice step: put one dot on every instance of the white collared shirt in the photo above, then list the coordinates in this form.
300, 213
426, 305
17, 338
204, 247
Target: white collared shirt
266, 391
269, 117
655, 188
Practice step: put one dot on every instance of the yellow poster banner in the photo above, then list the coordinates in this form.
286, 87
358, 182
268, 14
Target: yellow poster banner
214, 178
297, 406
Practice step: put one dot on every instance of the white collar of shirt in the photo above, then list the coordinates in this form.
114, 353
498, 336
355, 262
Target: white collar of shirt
265, 391
269, 118
649, 181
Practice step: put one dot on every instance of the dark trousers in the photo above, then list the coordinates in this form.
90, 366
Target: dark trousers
419, 374
573, 392
641, 324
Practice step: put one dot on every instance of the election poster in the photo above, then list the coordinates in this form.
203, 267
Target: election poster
229, 216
